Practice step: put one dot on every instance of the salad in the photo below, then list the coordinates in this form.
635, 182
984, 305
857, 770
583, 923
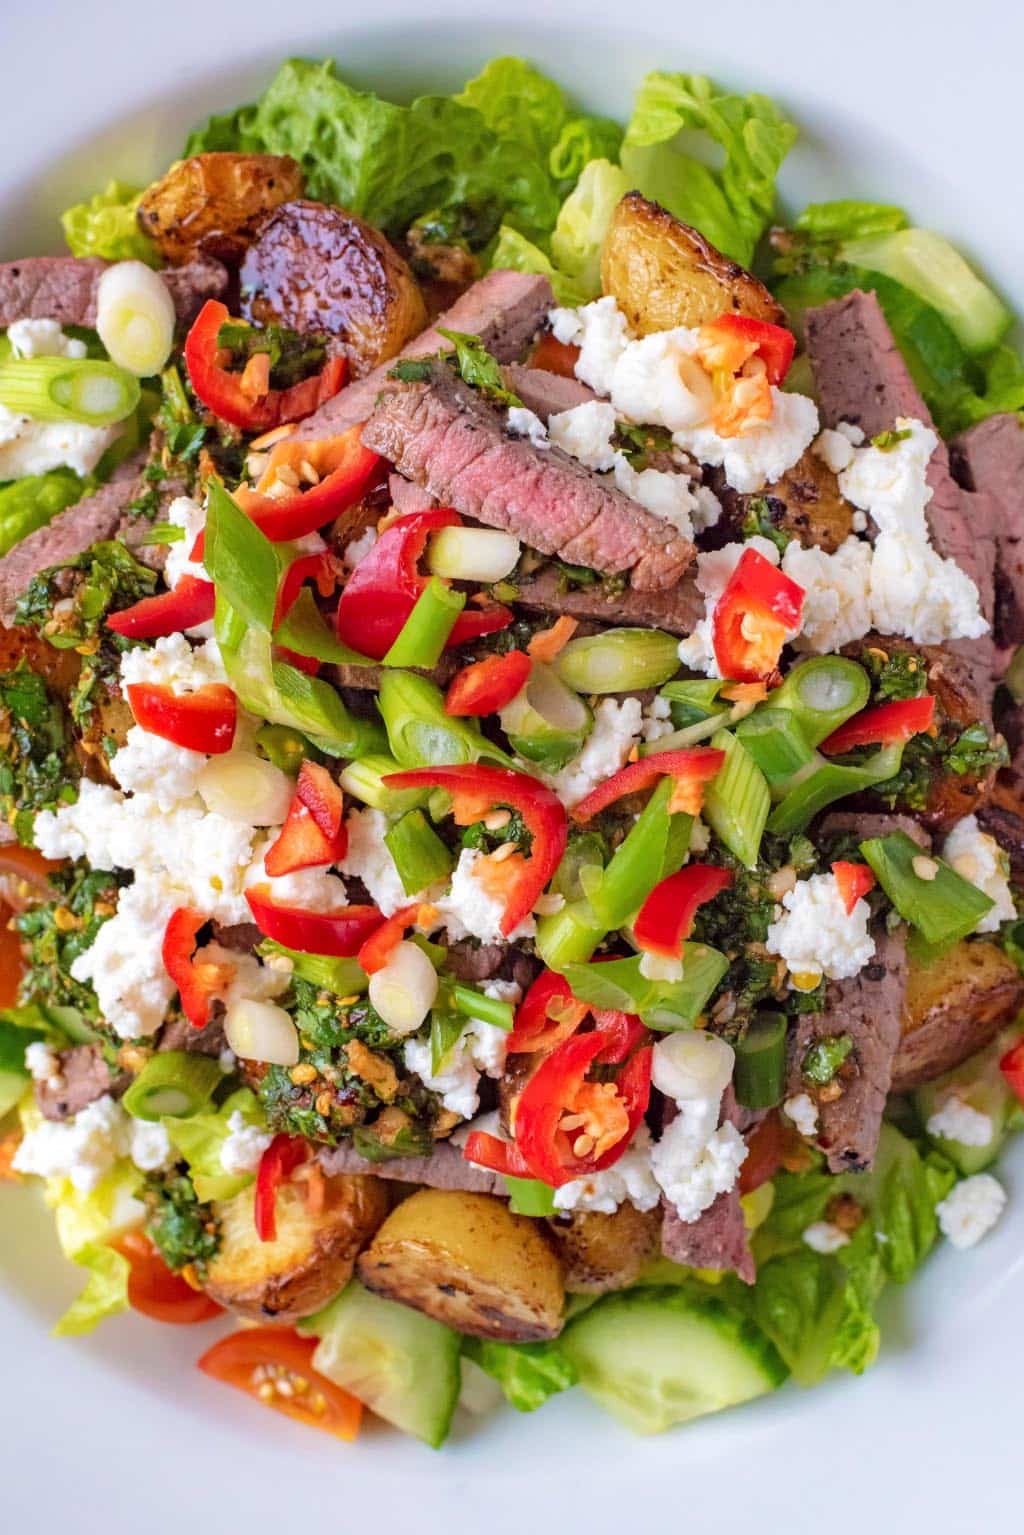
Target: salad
510, 717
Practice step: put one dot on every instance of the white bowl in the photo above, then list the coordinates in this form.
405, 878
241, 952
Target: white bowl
118, 1433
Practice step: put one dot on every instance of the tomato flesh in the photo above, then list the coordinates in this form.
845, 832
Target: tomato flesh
275, 1367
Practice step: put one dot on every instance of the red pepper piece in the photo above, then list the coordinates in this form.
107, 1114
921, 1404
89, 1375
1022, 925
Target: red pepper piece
308, 664
547, 1014
1012, 1067
203, 721
308, 567
498, 1156
321, 794
382, 590
225, 394
739, 337
314, 833
666, 917
475, 791
697, 765
488, 685
883, 725
190, 603
346, 471
759, 607
854, 880
610, 1112
284, 1154
340, 933
380, 946
197, 984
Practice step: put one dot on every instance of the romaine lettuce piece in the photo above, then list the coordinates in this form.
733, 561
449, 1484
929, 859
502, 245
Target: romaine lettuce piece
200, 1141
104, 225
583, 223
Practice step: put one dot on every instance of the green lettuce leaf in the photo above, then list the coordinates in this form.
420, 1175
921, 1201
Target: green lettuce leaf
104, 225
32, 502
515, 252
528, 1373
199, 1141
729, 197
105, 1293
819, 1311
845, 219
583, 222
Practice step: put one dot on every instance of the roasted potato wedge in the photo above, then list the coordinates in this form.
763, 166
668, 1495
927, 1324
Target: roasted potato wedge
320, 269
954, 1007
213, 204
312, 1256
662, 273
467, 1261
815, 512
605, 1252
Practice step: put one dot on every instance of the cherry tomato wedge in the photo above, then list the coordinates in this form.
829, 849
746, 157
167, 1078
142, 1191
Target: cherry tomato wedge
154, 1291
259, 1360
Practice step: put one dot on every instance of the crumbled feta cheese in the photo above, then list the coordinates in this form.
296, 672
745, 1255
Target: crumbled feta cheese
816, 935
184, 513
368, 859
956, 1120
247, 979
803, 1111
763, 454
599, 330
124, 964
148, 764
41, 1061
628, 1180
479, 1050
82, 1149
714, 570
359, 547
526, 423
693, 1167
971, 1209
243, 1145
980, 860
853, 434
891, 483
859, 522
657, 381
149, 1145
617, 726
664, 494
707, 510
585, 432
824, 1237
313, 889
503, 991
836, 587
469, 910
834, 449
657, 720
28, 446
43, 338
175, 663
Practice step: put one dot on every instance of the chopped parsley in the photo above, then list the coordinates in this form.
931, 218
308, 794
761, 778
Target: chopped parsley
184, 1230
886, 441
477, 367
899, 675
412, 370
638, 443
38, 767
758, 518
293, 357
55, 932
514, 830
824, 1058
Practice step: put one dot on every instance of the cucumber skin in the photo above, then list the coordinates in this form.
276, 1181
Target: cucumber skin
599, 1344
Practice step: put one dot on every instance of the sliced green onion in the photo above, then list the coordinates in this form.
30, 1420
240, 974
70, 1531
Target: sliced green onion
286, 748
68, 389
619, 661
425, 632
420, 856
483, 555
822, 693
405, 989
344, 977
175, 1083
618, 984
760, 1070
364, 781
775, 741
135, 317
821, 783
243, 564
305, 632
568, 936
639, 862
528, 1196
163, 533
474, 1004
944, 907
824, 1058
737, 801
584, 850
420, 733
546, 722
446, 1029
693, 701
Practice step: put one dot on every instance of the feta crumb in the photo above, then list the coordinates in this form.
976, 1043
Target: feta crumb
43, 338
617, 727
956, 1120
29, 446
693, 1167
369, 859
803, 1111
980, 860
149, 1146
657, 381
585, 432
834, 449
187, 514
359, 547
714, 570
853, 434
836, 587
630, 1179
657, 720
479, 1051
149, 764
664, 494
526, 423
971, 1209
824, 1237
599, 330
171, 660
41, 1061
82, 1149
469, 910
761, 456
313, 889
816, 935
243, 1146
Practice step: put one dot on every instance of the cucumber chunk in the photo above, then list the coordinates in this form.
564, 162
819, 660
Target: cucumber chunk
933, 269
403, 1365
982, 1086
658, 1356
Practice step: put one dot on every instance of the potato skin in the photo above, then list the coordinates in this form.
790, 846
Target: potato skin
662, 273
605, 1252
467, 1261
953, 1008
213, 204
320, 269
311, 1258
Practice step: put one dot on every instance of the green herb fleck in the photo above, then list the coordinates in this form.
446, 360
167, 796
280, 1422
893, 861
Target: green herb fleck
184, 1230
758, 518
825, 1057
478, 368
886, 441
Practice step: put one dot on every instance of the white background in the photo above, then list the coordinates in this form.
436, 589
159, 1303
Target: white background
916, 103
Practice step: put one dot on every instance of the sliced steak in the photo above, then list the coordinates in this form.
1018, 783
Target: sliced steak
448, 439
677, 608
64, 288
839, 823
718, 1238
407, 498
88, 522
179, 1034
869, 1008
444, 1168
242, 937
1003, 818
505, 309
546, 394
473, 963
990, 458
84, 1077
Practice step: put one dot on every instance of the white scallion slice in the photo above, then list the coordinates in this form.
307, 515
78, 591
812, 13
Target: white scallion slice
135, 317
405, 990
261, 1031
472, 554
690, 1065
240, 786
